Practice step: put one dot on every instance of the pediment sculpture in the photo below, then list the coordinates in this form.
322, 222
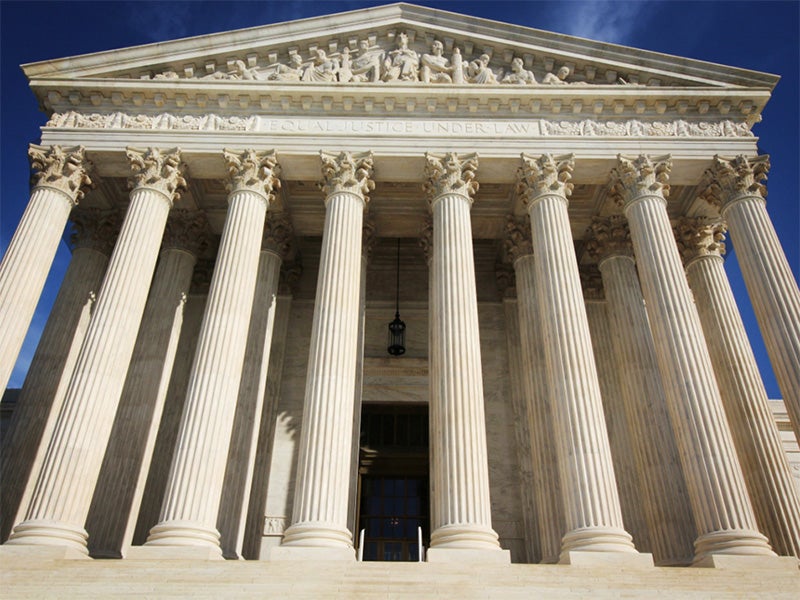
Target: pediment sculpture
367, 62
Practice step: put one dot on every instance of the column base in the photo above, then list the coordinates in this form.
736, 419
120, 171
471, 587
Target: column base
184, 534
43, 532
159, 553
465, 537
498, 556
597, 539
736, 542
316, 534
617, 560
747, 563
310, 554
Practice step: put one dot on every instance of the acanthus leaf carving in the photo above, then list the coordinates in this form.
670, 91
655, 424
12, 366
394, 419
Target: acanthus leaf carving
637, 176
158, 170
591, 282
450, 173
278, 234
700, 236
545, 175
95, 228
609, 236
63, 169
517, 242
254, 171
347, 172
732, 178
186, 230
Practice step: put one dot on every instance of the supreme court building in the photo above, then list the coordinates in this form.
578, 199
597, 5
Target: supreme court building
542, 218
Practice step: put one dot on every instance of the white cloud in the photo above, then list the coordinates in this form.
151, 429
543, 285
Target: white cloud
603, 20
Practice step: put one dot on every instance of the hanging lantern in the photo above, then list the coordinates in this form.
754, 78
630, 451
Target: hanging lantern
397, 329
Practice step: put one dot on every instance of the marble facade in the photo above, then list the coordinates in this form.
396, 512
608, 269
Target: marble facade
560, 206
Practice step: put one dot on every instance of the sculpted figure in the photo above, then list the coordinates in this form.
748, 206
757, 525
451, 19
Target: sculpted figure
458, 66
401, 64
367, 65
322, 69
519, 74
435, 67
345, 66
241, 71
560, 78
480, 72
168, 74
291, 72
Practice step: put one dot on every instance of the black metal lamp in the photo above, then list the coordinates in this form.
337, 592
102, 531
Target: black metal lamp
397, 329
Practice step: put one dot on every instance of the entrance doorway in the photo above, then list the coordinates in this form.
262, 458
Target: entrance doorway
393, 481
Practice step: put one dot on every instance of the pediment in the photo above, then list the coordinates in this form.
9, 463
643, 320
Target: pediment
395, 44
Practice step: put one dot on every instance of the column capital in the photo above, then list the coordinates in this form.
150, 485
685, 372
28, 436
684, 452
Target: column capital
252, 171
640, 176
62, 169
609, 236
157, 170
729, 179
506, 280
544, 175
426, 239
700, 236
450, 173
591, 282
186, 230
278, 234
94, 228
517, 242
347, 172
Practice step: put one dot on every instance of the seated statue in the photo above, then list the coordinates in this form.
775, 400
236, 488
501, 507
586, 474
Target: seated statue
479, 71
401, 64
322, 69
560, 78
291, 72
519, 74
367, 65
435, 67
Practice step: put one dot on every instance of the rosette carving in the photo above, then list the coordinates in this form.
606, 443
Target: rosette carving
700, 236
158, 170
731, 178
609, 236
95, 228
186, 230
346, 172
450, 173
278, 234
634, 177
63, 169
253, 171
517, 242
545, 175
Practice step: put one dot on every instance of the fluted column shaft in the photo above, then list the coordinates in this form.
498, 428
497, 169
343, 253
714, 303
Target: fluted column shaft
723, 514
27, 260
42, 395
118, 495
773, 491
546, 485
665, 500
192, 498
242, 451
319, 516
773, 292
72, 463
591, 502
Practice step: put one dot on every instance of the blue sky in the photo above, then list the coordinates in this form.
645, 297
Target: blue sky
761, 36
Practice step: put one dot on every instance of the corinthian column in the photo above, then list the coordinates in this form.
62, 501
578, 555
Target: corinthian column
242, 450
663, 494
61, 178
460, 511
758, 443
592, 509
734, 186
63, 491
34, 417
538, 402
722, 511
118, 494
319, 517
191, 502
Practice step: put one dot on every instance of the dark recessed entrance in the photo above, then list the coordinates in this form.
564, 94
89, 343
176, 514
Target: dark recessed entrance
393, 481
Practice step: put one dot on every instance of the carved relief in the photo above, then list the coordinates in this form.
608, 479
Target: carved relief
94, 228
186, 230
517, 242
157, 170
63, 169
518, 74
638, 176
252, 171
608, 236
401, 64
278, 234
731, 178
346, 172
450, 174
274, 526
545, 174
700, 236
